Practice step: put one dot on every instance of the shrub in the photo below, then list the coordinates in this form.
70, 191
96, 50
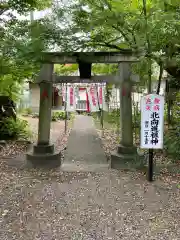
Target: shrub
59, 115
11, 129
112, 117
172, 137
28, 111
176, 109
171, 143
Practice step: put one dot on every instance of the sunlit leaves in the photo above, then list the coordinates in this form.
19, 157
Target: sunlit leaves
104, 69
22, 6
132, 5
173, 2
66, 69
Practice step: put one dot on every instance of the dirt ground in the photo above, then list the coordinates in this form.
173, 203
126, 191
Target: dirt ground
57, 129
114, 205
54, 205
57, 136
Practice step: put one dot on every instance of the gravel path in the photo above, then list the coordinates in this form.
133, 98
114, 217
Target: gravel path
111, 205
54, 205
84, 150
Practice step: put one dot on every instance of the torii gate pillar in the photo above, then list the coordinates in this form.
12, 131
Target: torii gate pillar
125, 156
43, 153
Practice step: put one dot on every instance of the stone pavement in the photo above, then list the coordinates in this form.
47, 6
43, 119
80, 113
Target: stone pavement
84, 151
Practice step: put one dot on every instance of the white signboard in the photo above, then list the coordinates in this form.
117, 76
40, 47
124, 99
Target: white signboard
152, 121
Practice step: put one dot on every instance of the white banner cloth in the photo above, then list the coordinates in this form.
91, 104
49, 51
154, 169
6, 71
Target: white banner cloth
93, 99
70, 100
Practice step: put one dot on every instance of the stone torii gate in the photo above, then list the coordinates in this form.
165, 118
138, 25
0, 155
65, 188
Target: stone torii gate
43, 153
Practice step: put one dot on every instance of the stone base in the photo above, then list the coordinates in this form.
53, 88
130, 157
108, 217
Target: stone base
126, 158
43, 156
126, 150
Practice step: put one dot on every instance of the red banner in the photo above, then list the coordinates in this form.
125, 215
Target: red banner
100, 95
92, 96
71, 96
87, 102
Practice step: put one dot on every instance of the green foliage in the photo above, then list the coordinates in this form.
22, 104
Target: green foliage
104, 68
66, 69
176, 109
21, 43
172, 136
171, 143
11, 129
59, 115
113, 117
27, 111
174, 83
22, 6
120, 25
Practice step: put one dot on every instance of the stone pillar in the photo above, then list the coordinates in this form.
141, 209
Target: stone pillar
45, 113
43, 154
126, 106
126, 154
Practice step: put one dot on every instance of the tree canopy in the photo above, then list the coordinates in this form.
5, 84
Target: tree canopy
85, 25
120, 25
18, 39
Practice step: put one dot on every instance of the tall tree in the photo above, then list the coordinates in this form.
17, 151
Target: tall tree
121, 25
17, 43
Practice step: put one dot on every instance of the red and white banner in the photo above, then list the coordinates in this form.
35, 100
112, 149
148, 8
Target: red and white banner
93, 99
71, 93
87, 102
71, 103
100, 95
102, 98
64, 93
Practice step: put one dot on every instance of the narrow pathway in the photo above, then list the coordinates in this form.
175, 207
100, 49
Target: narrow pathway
84, 151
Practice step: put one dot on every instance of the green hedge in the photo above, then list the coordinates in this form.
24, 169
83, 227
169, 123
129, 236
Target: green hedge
11, 129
